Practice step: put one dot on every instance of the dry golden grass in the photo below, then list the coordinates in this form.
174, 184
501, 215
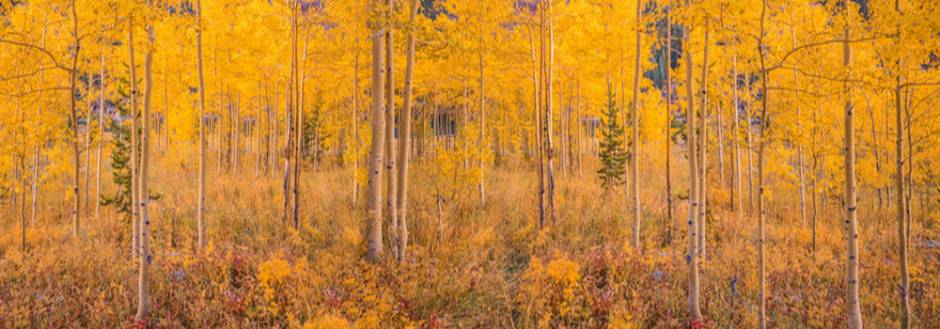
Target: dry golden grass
469, 267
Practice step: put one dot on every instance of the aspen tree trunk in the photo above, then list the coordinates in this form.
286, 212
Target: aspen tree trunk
901, 216
636, 130
764, 130
749, 150
910, 168
87, 166
201, 207
275, 135
290, 92
482, 129
143, 283
38, 150
135, 210
899, 181
300, 79
19, 194
668, 141
405, 132
853, 303
548, 112
255, 123
218, 126
577, 125
73, 120
815, 154
236, 133
288, 142
736, 191
562, 160
695, 312
101, 106
875, 152
355, 127
537, 118
703, 144
374, 203
799, 143
720, 140
390, 158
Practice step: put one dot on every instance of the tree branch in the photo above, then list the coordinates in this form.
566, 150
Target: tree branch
41, 49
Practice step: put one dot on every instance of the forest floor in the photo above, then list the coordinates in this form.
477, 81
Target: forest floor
468, 266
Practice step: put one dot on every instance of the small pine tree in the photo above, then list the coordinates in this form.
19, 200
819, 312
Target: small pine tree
613, 158
120, 161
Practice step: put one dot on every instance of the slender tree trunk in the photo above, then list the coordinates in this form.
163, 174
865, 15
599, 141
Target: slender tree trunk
390, 159
537, 118
73, 122
548, 112
736, 190
668, 126
764, 131
482, 124
720, 140
703, 145
143, 283
355, 128
39, 143
577, 126
695, 312
236, 133
101, 108
135, 210
749, 149
852, 279
300, 81
378, 141
405, 132
636, 129
899, 181
201, 207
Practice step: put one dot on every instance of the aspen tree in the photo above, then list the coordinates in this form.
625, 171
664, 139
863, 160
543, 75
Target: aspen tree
636, 129
135, 208
378, 138
799, 141
695, 312
905, 284
143, 283
719, 125
73, 123
668, 126
537, 117
482, 113
703, 144
236, 119
577, 125
201, 207
390, 159
355, 124
101, 107
748, 148
300, 80
736, 190
37, 152
550, 53
291, 129
852, 279
764, 127
405, 132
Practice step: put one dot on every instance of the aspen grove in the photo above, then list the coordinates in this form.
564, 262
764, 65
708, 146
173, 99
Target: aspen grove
469, 164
